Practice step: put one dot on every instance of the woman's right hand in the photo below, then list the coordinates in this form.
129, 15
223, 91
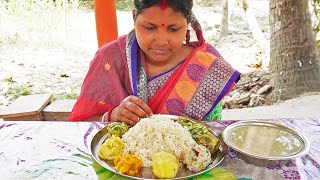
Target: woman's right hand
130, 110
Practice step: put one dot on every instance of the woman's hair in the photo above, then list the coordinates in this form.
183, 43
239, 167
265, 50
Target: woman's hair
182, 6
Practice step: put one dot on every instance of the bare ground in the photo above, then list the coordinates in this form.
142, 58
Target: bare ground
51, 54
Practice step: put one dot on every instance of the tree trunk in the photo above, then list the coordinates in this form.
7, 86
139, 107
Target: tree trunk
294, 61
224, 20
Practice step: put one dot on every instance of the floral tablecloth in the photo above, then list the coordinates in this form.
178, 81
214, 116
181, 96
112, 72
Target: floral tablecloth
60, 150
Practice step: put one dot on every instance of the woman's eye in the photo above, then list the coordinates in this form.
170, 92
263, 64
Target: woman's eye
173, 29
149, 27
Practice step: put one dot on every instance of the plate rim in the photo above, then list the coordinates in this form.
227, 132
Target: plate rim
303, 151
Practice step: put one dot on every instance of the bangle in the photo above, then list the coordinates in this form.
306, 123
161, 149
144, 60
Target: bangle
104, 115
107, 113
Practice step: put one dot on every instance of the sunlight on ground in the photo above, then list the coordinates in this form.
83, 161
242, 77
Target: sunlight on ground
48, 49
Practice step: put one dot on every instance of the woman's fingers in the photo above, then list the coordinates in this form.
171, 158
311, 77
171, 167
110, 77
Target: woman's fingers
141, 108
132, 107
128, 121
131, 110
128, 116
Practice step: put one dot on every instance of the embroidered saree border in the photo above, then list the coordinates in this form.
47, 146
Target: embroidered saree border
189, 94
157, 102
193, 90
131, 40
217, 82
202, 83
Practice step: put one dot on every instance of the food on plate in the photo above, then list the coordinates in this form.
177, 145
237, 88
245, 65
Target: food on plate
165, 165
128, 164
156, 134
111, 148
116, 129
200, 133
160, 142
196, 129
209, 141
197, 158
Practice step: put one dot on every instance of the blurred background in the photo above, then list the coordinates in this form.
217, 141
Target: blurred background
46, 45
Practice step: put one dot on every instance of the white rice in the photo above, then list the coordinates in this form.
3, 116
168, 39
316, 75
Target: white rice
155, 134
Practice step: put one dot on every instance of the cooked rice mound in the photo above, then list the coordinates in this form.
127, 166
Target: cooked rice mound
156, 134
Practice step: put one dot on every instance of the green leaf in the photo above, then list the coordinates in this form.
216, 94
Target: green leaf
217, 174
205, 175
83, 156
118, 177
101, 172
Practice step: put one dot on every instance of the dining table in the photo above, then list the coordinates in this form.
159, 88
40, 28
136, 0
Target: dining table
61, 150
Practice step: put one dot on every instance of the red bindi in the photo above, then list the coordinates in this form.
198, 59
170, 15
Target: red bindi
164, 4
162, 24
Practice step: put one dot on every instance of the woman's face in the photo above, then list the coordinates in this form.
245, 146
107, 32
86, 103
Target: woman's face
160, 33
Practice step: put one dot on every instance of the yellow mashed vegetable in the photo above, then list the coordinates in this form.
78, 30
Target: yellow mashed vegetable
165, 165
111, 148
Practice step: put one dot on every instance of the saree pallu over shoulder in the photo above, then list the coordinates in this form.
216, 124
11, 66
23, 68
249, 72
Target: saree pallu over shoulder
196, 87
106, 84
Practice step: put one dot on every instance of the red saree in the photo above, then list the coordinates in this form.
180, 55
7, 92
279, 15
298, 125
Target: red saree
106, 84
196, 87
193, 89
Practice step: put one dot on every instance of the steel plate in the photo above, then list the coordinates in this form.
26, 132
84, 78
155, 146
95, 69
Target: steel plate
146, 173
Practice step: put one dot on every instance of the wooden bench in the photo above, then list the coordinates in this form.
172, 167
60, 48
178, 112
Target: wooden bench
26, 108
38, 107
58, 110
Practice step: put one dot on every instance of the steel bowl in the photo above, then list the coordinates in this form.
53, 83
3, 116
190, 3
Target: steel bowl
265, 144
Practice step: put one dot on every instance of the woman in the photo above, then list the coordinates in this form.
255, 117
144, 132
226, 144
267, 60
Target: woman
159, 67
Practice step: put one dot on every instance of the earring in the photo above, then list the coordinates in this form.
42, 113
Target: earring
188, 37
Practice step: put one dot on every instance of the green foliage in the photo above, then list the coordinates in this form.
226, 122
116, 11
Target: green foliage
29, 17
9, 80
86, 4
316, 13
70, 96
10, 39
24, 7
121, 5
206, 3
318, 43
124, 5
65, 96
18, 91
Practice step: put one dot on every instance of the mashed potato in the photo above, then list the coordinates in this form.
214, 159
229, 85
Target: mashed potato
156, 134
165, 165
111, 148
197, 158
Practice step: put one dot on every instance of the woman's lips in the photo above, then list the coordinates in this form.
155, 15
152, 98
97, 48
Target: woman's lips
159, 51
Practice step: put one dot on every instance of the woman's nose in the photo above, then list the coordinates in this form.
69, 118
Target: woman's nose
161, 39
